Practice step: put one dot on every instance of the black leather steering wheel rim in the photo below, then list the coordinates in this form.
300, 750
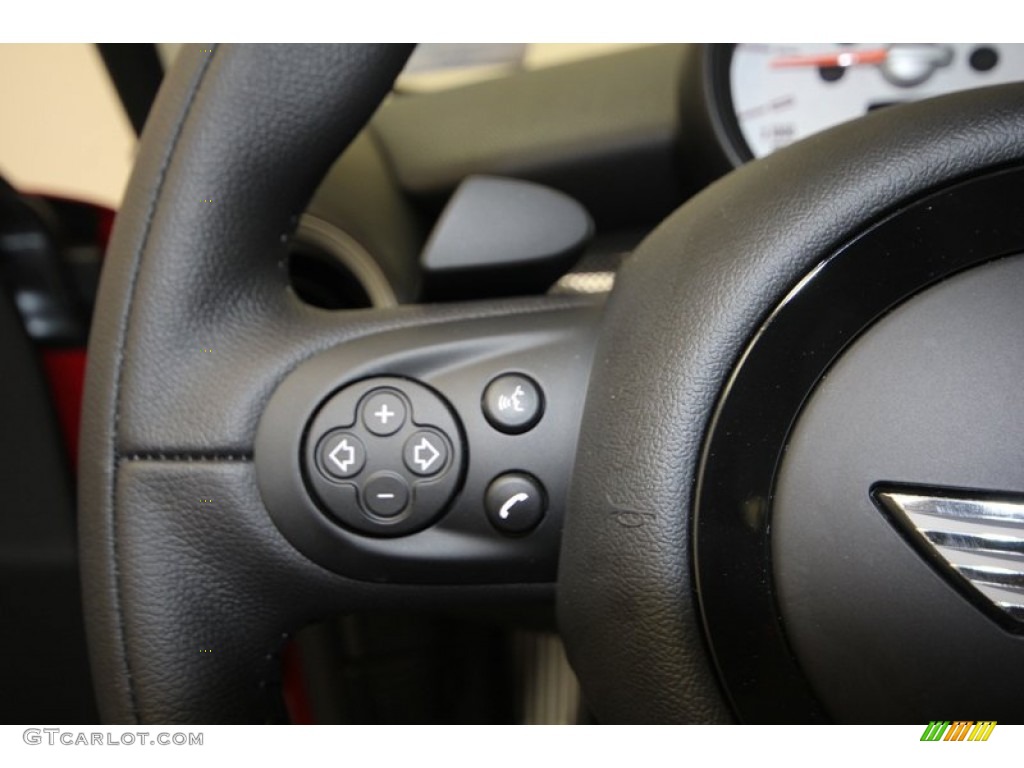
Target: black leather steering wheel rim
700, 287
235, 145
190, 590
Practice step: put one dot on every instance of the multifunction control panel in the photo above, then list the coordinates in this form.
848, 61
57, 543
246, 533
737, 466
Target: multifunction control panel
384, 456
440, 454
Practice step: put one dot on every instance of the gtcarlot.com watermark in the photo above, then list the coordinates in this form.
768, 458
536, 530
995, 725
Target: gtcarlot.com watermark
59, 736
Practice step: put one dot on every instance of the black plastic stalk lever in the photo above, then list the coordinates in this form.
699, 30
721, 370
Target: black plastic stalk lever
503, 237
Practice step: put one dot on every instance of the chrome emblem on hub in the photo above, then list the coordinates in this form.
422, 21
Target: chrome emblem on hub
978, 537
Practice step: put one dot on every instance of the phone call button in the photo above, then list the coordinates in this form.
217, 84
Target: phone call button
515, 502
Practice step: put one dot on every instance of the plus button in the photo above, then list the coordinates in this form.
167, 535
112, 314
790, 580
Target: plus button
383, 412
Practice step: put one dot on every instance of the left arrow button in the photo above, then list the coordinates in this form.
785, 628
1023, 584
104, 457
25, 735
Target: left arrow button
341, 455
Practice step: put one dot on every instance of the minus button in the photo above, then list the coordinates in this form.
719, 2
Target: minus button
385, 494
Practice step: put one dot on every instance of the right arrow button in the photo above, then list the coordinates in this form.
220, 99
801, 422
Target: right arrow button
426, 453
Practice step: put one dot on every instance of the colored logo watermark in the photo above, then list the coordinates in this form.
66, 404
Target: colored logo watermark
958, 730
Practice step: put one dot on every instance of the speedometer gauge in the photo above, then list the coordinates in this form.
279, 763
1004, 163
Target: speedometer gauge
775, 94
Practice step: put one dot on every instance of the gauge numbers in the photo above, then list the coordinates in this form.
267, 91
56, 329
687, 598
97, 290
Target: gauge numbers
783, 92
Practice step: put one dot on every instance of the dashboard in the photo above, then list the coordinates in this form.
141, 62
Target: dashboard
629, 135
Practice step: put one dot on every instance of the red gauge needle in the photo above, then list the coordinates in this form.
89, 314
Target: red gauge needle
835, 59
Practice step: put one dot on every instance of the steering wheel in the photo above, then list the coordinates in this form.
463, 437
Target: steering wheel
797, 459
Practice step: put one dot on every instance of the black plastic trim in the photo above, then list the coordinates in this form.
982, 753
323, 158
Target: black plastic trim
717, 61
972, 222
707, 148
136, 72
